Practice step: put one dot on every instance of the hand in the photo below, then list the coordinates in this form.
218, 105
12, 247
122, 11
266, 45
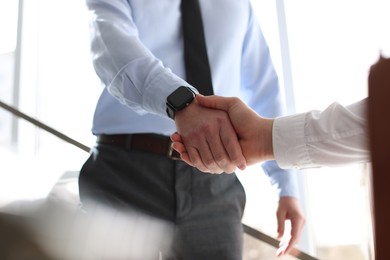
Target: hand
209, 138
254, 132
289, 209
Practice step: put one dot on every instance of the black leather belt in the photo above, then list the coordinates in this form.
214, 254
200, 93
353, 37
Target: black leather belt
151, 143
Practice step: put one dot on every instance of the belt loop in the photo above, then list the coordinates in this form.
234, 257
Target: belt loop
170, 150
128, 141
171, 153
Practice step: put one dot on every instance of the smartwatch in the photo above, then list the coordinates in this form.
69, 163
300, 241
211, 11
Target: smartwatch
179, 99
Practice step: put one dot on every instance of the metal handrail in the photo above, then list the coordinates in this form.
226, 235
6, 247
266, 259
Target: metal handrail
247, 229
44, 126
275, 243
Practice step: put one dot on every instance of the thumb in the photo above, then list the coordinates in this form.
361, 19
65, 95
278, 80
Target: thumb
215, 102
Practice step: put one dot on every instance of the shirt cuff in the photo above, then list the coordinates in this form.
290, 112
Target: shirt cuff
284, 181
288, 138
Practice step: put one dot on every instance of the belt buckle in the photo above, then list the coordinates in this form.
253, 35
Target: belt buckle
170, 153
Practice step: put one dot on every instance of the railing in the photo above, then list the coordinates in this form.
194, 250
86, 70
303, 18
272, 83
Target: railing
247, 229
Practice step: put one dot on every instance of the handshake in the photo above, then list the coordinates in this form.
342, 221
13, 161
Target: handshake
246, 140
224, 133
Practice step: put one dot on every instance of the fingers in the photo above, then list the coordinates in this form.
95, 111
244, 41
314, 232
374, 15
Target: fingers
226, 150
206, 162
282, 248
193, 159
288, 241
244, 123
210, 139
289, 209
233, 148
281, 218
222, 148
221, 155
215, 102
176, 137
297, 224
203, 157
180, 148
284, 242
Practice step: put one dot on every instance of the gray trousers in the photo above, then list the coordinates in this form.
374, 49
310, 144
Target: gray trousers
203, 211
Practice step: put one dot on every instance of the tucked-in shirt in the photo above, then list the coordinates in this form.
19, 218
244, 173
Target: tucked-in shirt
137, 51
333, 137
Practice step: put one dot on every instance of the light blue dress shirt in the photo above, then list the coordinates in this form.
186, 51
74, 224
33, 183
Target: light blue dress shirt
137, 53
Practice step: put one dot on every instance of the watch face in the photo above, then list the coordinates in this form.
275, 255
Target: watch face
180, 98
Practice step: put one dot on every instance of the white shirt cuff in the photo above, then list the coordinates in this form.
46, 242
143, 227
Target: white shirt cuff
288, 139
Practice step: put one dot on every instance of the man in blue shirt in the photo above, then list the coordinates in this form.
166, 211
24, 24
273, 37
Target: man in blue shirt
137, 51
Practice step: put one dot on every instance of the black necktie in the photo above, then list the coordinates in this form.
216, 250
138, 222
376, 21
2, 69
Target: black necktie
195, 53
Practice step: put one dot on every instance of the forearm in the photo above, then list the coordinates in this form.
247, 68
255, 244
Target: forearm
123, 63
336, 136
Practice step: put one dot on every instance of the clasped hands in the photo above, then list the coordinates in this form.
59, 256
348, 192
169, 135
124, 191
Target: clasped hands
218, 134
227, 135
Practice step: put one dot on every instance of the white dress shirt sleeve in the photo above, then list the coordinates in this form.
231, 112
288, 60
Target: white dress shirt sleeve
334, 137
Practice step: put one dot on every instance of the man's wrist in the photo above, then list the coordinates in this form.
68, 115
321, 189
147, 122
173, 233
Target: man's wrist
270, 149
178, 100
265, 143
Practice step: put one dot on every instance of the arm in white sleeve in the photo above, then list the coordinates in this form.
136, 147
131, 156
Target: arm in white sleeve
336, 136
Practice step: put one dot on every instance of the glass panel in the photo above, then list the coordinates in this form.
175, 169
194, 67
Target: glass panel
8, 25
8, 35
332, 46
262, 199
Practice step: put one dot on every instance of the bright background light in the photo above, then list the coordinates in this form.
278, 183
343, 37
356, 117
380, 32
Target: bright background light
331, 46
